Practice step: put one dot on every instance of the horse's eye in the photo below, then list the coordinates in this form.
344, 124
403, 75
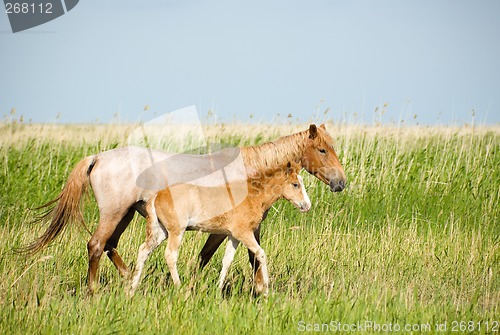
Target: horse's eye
323, 151
296, 185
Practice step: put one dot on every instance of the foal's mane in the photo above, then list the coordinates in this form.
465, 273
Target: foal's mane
272, 176
275, 154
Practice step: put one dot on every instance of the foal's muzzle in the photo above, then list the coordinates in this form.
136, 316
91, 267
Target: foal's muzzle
337, 185
305, 206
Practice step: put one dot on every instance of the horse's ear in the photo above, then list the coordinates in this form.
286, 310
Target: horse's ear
313, 131
289, 168
323, 126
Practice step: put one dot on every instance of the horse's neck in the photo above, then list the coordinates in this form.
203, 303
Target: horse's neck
276, 153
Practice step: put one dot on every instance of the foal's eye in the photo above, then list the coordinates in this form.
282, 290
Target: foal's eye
296, 185
323, 151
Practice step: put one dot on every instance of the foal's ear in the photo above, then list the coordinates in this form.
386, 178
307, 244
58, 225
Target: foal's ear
297, 166
289, 168
313, 131
323, 126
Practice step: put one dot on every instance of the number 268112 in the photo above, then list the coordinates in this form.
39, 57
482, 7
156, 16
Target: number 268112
28, 8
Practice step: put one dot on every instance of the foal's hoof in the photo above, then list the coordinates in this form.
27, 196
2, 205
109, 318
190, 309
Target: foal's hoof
130, 288
91, 290
129, 293
261, 290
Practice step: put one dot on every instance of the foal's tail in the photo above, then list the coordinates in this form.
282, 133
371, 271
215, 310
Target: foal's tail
66, 208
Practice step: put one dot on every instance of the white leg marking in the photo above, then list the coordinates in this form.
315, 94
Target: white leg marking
171, 255
262, 287
157, 235
231, 246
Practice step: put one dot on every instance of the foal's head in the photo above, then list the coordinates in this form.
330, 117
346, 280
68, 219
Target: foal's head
293, 188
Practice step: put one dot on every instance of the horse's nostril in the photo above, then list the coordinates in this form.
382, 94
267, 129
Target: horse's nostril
338, 187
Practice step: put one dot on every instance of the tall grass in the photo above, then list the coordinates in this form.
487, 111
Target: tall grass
414, 239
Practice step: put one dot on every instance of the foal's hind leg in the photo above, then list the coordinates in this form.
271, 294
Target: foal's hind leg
155, 234
232, 244
172, 253
110, 247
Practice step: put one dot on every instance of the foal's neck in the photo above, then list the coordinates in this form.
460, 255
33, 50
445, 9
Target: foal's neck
264, 193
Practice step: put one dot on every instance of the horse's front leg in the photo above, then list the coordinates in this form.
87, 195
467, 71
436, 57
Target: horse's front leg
211, 245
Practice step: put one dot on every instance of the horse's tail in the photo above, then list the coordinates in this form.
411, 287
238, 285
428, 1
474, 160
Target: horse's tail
67, 206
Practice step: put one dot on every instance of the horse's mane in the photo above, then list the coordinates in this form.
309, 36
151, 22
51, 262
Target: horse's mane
276, 153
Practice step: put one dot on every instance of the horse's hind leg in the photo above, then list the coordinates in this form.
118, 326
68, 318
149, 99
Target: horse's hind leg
112, 243
105, 229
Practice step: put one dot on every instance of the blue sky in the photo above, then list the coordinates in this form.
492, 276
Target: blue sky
252, 61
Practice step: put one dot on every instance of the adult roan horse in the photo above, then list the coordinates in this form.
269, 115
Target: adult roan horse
119, 194
168, 218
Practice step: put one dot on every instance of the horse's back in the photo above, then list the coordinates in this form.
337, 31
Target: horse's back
131, 174
114, 177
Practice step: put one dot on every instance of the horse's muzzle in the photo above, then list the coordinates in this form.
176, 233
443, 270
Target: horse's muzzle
337, 185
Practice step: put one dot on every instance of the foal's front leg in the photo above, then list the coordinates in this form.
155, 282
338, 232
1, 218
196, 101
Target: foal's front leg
215, 240
248, 239
253, 261
257, 272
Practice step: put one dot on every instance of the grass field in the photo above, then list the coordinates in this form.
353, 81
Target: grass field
413, 241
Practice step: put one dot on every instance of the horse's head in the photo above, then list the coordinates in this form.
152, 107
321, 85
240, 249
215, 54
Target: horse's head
294, 190
321, 160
